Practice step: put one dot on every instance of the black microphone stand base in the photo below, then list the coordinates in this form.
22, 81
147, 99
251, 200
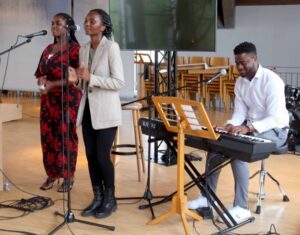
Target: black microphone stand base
69, 217
148, 197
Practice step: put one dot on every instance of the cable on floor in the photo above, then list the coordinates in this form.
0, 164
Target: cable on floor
26, 206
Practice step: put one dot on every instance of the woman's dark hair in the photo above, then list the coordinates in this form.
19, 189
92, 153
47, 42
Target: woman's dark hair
105, 21
245, 47
70, 22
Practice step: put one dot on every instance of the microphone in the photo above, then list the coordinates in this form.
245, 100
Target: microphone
221, 73
72, 27
40, 33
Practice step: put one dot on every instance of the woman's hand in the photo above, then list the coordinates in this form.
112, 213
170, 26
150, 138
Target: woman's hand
83, 73
42, 80
48, 85
72, 75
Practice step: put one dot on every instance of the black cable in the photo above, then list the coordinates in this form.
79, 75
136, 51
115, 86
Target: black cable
195, 228
16, 185
28, 205
17, 231
25, 206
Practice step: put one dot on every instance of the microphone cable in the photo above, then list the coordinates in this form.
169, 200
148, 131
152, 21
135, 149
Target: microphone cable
27, 206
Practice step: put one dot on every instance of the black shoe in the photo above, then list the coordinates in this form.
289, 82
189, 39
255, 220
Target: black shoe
205, 212
96, 203
109, 204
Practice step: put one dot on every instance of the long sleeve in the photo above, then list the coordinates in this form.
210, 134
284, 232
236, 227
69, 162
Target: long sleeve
115, 81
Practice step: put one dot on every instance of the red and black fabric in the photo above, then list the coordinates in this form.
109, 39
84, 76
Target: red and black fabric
53, 113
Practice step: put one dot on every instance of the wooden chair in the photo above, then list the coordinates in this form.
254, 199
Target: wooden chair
228, 87
196, 59
233, 72
219, 61
228, 93
215, 89
180, 60
148, 84
193, 86
143, 62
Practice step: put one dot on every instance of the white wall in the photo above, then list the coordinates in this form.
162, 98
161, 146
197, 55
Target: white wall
274, 29
21, 17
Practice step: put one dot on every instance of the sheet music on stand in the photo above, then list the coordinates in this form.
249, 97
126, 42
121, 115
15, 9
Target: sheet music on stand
175, 110
182, 117
187, 117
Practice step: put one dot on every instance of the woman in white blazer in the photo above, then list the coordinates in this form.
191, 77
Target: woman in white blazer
101, 77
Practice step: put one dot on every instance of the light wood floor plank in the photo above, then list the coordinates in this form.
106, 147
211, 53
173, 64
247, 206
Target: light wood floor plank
23, 165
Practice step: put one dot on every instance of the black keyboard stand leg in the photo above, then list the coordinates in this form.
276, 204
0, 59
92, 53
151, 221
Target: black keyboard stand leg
215, 202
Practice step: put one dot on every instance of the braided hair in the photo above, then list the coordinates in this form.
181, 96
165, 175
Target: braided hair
70, 22
106, 20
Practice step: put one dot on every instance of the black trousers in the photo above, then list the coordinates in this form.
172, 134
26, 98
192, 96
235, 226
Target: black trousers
98, 145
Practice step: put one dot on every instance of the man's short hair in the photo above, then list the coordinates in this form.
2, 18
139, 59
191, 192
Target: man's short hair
245, 47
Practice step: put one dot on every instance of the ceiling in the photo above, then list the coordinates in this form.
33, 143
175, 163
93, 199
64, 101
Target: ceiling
266, 2
226, 9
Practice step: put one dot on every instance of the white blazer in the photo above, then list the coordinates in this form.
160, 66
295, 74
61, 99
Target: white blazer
106, 79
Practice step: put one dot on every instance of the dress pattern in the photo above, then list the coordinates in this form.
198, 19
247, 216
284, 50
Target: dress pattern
54, 115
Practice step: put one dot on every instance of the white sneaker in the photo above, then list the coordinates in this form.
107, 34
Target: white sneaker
238, 213
196, 203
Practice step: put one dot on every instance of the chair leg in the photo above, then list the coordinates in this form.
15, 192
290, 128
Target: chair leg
262, 178
141, 143
137, 142
255, 174
261, 193
114, 158
285, 198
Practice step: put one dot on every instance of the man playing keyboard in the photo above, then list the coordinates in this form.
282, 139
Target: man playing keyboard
259, 111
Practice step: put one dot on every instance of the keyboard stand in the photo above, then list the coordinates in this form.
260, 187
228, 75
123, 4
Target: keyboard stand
186, 117
200, 180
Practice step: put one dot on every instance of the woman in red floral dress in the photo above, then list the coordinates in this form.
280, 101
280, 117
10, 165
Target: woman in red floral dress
53, 114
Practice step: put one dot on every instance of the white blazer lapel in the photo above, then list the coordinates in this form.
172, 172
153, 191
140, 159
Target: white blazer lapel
85, 59
98, 52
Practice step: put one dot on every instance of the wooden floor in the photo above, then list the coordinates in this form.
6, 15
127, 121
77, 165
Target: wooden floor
23, 165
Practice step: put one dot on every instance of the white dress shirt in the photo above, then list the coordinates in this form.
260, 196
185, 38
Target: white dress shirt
260, 102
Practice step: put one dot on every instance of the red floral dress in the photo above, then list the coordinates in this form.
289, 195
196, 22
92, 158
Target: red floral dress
53, 113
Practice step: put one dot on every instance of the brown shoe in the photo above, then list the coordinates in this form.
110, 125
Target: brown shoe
64, 186
48, 184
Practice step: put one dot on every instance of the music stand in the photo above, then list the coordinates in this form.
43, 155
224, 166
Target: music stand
182, 117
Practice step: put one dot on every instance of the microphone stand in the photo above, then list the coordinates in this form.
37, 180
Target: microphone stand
166, 92
148, 194
8, 50
15, 46
69, 217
